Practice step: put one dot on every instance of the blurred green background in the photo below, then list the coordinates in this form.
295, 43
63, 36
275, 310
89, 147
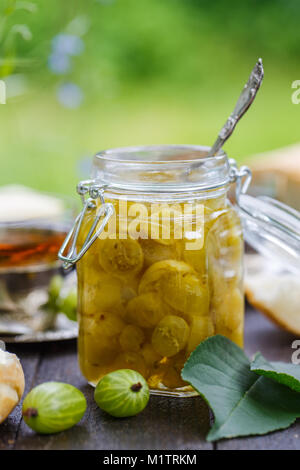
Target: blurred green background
83, 75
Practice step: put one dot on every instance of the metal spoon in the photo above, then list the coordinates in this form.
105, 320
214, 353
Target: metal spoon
244, 102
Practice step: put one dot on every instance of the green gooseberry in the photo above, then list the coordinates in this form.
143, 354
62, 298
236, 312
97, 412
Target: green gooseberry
55, 287
53, 407
122, 393
68, 304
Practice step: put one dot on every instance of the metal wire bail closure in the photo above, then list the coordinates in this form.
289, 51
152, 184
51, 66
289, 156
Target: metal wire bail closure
241, 177
105, 211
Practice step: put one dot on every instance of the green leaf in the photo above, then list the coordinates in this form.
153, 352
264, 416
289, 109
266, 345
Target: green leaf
23, 30
286, 374
79, 26
28, 6
14, 5
243, 402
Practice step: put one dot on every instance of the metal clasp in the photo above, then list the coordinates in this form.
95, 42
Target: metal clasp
105, 211
241, 177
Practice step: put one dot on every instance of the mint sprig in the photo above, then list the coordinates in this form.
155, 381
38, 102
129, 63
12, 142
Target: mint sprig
243, 402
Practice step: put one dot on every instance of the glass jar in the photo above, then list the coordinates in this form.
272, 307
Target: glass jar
160, 261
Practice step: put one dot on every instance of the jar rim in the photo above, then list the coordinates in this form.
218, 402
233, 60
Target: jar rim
118, 153
161, 168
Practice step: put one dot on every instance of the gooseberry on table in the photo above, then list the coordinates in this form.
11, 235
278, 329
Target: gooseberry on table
122, 393
53, 407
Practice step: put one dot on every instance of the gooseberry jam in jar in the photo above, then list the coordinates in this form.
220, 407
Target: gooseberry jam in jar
159, 267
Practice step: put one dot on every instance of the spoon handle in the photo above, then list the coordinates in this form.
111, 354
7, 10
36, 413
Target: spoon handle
245, 100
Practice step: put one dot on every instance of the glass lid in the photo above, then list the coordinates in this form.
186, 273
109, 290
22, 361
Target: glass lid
161, 168
273, 229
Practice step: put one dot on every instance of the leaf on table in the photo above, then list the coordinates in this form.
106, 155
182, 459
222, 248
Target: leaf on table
243, 402
286, 374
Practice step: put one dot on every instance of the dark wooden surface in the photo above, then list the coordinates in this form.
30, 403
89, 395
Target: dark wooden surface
166, 423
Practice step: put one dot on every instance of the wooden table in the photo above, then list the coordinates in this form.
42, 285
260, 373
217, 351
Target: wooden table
166, 423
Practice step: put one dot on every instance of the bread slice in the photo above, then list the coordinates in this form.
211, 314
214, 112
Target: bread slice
12, 383
277, 174
275, 293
